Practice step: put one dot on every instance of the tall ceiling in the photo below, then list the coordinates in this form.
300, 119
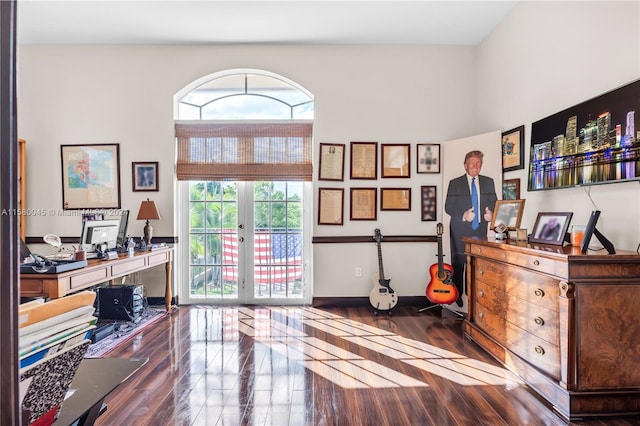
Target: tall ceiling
447, 22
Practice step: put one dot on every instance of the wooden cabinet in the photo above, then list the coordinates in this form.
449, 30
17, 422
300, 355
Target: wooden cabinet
567, 323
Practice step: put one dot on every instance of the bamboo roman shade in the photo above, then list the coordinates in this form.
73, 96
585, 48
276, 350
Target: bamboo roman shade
244, 151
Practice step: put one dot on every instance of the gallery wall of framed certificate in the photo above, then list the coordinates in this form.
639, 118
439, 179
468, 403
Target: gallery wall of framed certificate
363, 160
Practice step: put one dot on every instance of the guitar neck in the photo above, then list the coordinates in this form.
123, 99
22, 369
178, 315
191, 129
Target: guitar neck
380, 267
440, 262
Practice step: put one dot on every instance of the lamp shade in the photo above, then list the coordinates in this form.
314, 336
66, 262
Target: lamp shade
148, 211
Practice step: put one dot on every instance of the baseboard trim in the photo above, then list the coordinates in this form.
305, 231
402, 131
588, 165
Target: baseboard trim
159, 301
347, 302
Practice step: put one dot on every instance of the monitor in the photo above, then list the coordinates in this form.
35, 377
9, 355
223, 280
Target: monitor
122, 230
98, 233
592, 230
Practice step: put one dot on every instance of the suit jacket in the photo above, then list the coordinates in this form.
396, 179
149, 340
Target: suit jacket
459, 200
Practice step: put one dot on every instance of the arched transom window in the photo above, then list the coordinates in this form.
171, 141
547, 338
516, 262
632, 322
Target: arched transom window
246, 96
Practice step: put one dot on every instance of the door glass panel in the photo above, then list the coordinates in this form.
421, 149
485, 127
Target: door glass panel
278, 244
213, 240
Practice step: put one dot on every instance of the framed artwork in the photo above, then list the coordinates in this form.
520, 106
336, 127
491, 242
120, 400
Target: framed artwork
428, 156
331, 162
507, 213
513, 149
90, 176
363, 203
145, 176
395, 199
395, 161
511, 189
589, 143
364, 160
429, 203
550, 228
330, 206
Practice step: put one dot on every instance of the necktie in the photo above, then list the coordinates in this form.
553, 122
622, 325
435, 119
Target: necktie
474, 202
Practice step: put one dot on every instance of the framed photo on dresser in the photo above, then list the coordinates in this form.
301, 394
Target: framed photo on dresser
550, 228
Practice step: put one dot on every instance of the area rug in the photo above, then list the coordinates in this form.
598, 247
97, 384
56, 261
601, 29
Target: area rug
125, 332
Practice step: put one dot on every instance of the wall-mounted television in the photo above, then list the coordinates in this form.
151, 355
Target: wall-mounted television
595, 142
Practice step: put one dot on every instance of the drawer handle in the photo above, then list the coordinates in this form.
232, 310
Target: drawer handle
539, 292
481, 272
481, 314
536, 262
481, 293
539, 321
539, 350
479, 249
504, 255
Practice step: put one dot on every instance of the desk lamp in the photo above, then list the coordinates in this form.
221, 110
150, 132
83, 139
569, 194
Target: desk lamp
148, 211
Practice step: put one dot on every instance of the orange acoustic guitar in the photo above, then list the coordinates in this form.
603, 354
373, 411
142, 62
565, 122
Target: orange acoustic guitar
441, 289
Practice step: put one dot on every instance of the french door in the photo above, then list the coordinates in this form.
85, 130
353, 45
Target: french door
246, 243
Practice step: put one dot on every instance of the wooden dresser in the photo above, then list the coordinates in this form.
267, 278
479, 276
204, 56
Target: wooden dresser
567, 323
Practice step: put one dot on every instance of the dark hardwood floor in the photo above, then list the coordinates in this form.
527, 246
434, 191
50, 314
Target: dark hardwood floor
216, 365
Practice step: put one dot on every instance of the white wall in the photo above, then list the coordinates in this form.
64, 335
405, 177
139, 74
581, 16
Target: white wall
80, 94
548, 56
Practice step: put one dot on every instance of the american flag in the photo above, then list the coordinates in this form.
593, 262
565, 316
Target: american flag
277, 257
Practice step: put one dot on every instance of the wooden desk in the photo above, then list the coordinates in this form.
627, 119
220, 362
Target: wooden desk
96, 272
94, 380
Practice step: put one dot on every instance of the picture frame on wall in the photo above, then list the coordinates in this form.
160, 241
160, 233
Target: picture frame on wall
429, 203
90, 176
364, 160
330, 206
395, 161
550, 228
363, 202
331, 165
513, 149
511, 189
395, 199
428, 158
144, 176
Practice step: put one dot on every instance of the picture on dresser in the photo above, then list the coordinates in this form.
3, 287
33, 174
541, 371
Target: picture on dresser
550, 228
507, 213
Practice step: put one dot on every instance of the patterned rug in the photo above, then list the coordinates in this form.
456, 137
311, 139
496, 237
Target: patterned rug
125, 332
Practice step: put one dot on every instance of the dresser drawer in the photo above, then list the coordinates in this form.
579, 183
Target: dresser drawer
535, 319
538, 352
536, 263
539, 289
486, 318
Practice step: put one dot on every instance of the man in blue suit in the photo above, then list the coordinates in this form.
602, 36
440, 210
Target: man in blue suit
470, 202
